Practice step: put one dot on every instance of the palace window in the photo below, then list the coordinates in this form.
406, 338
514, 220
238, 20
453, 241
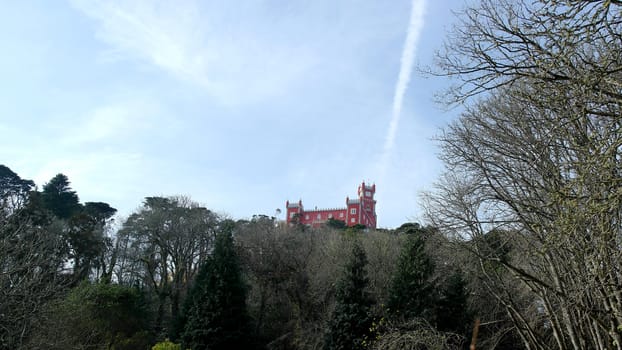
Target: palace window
353, 211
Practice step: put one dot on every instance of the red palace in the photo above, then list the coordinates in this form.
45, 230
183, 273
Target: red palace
361, 210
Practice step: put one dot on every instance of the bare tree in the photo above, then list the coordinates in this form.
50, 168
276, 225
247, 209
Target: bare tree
279, 264
31, 260
547, 182
165, 241
570, 43
537, 162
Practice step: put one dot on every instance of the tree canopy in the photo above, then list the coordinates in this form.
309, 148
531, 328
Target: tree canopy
215, 315
350, 326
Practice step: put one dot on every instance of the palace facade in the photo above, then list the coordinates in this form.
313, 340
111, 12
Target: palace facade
361, 210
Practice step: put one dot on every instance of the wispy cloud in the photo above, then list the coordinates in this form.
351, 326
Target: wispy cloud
110, 122
195, 46
406, 65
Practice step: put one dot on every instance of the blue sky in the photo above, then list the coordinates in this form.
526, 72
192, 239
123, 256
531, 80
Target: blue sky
241, 105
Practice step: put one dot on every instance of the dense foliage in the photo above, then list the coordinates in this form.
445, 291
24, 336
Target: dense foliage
412, 292
176, 270
215, 315
351, 322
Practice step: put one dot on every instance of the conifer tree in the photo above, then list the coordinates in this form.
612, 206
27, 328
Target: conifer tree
351, 321
412, 292
59, 198
215, 314
452, 313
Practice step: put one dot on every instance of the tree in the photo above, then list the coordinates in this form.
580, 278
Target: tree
293, 275
412, 291
31, 260
59, 198
414, 334
452, 313
547, 190
84, 225
351, 322
215, 315
86, 237
14, 191
95, 316
99, 211
164, 243
101, 220
555, 44
538, 161
276, 264
336, 224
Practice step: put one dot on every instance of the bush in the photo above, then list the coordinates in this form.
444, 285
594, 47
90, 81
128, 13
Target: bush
166, 345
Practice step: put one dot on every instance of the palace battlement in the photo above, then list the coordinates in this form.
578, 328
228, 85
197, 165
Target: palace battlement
358, 211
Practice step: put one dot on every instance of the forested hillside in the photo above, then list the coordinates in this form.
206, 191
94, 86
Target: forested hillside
72, 278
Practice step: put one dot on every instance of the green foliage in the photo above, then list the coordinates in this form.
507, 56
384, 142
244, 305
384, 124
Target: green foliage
412, 292
215, 315
351, 322
99, 211
415, 334
166, 345
30, 260
12, 187
94, 315
413, 228
86, 242
452, 314
409, 228
115, 308
59, 198
84, 224
336, 224
358, 227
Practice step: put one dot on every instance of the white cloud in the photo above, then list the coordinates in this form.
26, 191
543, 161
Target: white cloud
109, 122
233, 64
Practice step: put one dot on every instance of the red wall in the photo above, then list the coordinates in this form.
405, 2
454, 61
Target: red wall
364, 208
317, 217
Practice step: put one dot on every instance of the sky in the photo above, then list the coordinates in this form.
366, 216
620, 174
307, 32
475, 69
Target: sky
240, 105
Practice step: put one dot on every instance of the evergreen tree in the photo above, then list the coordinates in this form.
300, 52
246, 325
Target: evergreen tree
13, 190
351, 321
452, 314
84, 224
412, 292
59, 198
215, 314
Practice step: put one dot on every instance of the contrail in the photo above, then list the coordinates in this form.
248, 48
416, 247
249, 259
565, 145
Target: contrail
406, 65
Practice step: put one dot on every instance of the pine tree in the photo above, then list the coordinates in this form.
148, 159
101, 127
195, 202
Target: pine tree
412, 292
351, 321
59, 198
215, 315
452, 310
